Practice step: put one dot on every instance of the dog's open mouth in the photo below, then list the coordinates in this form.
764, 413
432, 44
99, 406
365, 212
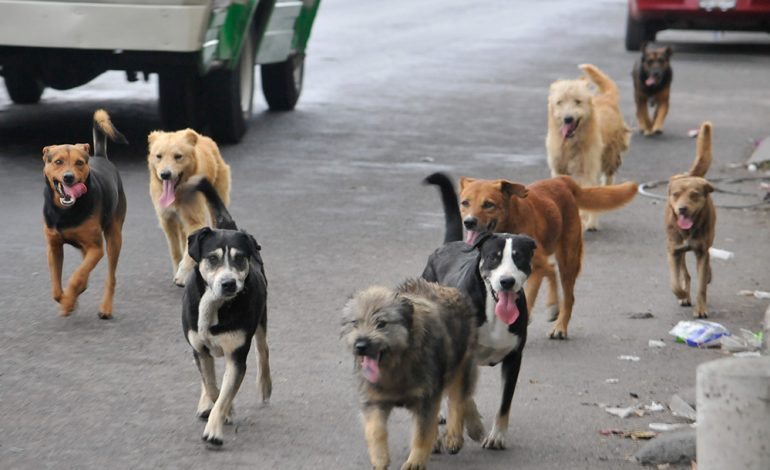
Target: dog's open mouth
168, 196
505, 306
568, 130
684, 222
651, 81
370, 367
68, 195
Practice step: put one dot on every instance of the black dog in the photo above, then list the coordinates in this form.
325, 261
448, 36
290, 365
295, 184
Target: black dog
224, 305
491, 273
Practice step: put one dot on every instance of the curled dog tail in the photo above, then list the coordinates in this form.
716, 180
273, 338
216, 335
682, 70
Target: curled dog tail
603, 82
602, 198
703, 154
103, 129
453, 227
199, 183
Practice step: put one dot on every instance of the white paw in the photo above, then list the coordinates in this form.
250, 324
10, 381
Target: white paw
495, 441
212, 435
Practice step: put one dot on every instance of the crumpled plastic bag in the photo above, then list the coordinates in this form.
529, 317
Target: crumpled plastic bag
698, 333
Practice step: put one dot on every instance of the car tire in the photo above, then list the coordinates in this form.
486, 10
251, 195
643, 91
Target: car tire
23, 87
637, 33
230, 95
282, 82
180, 100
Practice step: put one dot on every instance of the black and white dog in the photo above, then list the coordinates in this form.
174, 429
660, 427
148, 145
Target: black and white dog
224, 305
491, 273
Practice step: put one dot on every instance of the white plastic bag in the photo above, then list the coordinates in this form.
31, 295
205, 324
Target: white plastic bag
698, 332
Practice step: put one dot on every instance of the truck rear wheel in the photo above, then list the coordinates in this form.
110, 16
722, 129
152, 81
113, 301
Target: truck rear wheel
180, 100
637, 33
23, 87
282, 82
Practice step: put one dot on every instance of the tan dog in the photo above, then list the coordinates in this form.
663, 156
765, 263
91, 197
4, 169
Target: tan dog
586, 132
173, 158
547, 211
690, 222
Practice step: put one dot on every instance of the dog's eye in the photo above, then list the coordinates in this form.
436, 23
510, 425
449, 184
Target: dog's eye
178, 156
676, 194
59, 162
212, 259
694, 196
487, 205
158, 156
80, 163
578, 102
381, 324
465, 203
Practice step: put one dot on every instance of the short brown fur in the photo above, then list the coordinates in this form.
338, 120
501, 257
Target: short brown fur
652, 76
548, 211
688, 196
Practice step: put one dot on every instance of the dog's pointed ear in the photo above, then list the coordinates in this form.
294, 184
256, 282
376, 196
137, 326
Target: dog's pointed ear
195, 243
513, 189
152, 136
464, 180
191, 136
86, 148
406, 308
47, 157
668, 52
643, 48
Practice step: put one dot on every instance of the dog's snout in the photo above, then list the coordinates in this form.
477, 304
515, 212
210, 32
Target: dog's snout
165, 174
228, 286
470, 222
361, 346
683, 210
507, 282
568, 119
68, 178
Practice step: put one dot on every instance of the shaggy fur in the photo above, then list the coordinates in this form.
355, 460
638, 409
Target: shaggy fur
586, 131
690, 223
411, 345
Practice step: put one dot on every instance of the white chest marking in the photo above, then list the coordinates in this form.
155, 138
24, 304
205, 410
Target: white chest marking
495, 341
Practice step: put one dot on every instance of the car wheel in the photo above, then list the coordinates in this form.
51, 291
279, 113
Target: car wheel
23, 87
282, 82
637, 33
230, 94
180, 100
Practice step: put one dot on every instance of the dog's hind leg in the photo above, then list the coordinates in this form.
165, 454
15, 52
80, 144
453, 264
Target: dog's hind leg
114, 243
532, 286
235, 370
425, 423
264, 382
78, 281
459, 391
569, 268
473, 423
510, 375
704, 274
552, 302
375, 420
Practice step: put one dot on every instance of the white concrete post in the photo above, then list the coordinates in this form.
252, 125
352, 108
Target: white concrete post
733, 403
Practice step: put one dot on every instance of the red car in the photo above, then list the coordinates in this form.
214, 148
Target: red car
647, 17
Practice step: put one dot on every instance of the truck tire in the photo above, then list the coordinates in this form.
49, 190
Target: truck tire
23, 87
282, 82
637, 33
180, 100
230, 93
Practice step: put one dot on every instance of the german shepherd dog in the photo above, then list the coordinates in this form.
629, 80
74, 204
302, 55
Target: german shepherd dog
84, 206
411, 345
652, 75
690, 222
223, 307
491, 274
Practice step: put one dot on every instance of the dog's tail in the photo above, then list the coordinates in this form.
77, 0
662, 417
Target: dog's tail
453, 230
603, 82
199, 183
103, 129
602, 198
703, 154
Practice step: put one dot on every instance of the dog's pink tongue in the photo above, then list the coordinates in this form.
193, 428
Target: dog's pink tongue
75, 191
566, 129
650, 81
506, 309
167, 198
371, 369
684, 222
470, 237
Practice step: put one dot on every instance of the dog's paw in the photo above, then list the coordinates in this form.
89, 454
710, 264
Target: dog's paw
203, 414
56, 295
441, 419
452, 444
685, 303
105, 316
697, 313
413, 466
592, 228
230, 418
558, 333
551, 312
438, 446
67, 305
211, 437
495, 441
657, 131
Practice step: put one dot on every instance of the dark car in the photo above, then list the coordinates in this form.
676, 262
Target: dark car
647, 17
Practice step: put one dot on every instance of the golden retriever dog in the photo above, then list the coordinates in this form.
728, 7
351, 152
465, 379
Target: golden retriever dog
690, 223
586, 131
173, 158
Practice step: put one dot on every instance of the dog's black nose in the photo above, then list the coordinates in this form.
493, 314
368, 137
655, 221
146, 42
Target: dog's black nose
683, 210
68, 178
361, 346
228, 286
165, 175
470, 223
507, 282
568, 119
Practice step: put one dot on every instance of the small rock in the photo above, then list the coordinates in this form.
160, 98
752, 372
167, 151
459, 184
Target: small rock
641, 316
677, 447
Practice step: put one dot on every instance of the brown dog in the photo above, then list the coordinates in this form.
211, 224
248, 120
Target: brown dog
173, 158
690, 222
548, 211
652, 76
587, 135
84, 205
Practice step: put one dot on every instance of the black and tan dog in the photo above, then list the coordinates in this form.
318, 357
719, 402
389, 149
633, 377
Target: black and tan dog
84, 206
224, 306
411, 345
490, 271
652, 76
690, 223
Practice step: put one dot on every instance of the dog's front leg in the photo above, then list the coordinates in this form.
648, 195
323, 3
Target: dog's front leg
704, 274
79, 280
510, 375
425, 422
209, 389
642, 115
235, 369
55, 260
375, 420
680, 278
661, 110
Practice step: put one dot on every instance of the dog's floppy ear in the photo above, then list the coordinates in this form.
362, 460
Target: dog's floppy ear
152, 136
529, 243
707, 187
465, 180
406, 308
513, 189
46, 155
191, 136
194, 243
85, 148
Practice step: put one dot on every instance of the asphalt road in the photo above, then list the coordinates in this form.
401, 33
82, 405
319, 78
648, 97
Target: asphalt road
393, 91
